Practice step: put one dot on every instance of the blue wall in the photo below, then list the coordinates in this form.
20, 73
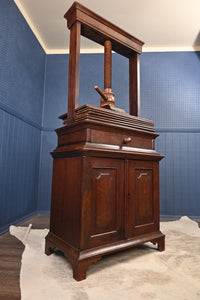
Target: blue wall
170, 96
22, 63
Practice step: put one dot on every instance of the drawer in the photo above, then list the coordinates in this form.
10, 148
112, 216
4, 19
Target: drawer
122, 139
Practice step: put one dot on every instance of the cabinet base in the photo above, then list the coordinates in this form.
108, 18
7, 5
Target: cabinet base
81, 259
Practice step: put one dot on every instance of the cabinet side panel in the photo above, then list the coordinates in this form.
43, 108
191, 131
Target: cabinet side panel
57, 195
66, 200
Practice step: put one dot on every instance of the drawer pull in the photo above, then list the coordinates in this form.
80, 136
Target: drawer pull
127, 140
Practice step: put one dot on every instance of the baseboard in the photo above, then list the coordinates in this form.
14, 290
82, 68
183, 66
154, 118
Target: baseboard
43, 212
162, 217
5, 228
176, 217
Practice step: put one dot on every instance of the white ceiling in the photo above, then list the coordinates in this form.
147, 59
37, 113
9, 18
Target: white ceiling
161, 24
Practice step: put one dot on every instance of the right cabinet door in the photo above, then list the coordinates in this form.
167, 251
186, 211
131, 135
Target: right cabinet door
142, 197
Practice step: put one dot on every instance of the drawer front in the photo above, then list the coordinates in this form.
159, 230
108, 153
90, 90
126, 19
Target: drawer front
71, 137
122, 139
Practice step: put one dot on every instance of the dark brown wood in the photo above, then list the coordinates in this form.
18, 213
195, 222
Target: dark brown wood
82, 21
106, 116
108, 98
105, 189
107, 65
105, 194
102, 199
80, 268
142, 197
161, 243
74, 70
134, 85
100, 30
66, 199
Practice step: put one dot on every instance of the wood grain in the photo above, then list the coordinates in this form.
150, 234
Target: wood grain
99, 30
74, 70
107, 65
134, 85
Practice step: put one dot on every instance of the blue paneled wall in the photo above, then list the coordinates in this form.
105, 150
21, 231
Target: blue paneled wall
179, 173
170, 89
170, 96
22, 62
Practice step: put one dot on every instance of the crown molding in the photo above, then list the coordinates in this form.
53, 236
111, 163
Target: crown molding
82, 51
28, 20
172, 49
145, 49
95, 50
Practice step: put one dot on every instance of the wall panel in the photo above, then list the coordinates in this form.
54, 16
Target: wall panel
19, 164
48, 144
22, 69
179, 173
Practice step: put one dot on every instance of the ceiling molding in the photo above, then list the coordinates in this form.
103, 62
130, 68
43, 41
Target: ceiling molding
28, 20
66, 51
94, 50
171, 49
145, 49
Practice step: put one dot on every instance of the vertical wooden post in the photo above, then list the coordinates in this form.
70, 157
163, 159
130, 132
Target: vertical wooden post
107, 64
74, 70
134, 85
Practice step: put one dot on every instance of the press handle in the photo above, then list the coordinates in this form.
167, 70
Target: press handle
101, 93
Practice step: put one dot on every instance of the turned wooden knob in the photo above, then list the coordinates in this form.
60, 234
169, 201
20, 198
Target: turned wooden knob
127, 140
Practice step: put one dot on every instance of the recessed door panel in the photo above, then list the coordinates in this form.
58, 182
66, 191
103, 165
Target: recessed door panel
142, 198
103, 201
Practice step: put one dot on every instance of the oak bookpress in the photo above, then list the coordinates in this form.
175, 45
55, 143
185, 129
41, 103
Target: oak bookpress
105, 186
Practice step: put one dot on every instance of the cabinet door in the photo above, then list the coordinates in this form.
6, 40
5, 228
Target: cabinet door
102, 202
142, 199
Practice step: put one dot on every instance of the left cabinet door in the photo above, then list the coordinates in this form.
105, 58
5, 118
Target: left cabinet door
102, 202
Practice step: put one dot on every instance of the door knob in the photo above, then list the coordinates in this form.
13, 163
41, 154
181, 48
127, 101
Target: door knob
127, 140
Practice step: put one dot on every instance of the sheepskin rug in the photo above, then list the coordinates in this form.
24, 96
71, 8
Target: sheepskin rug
140, 273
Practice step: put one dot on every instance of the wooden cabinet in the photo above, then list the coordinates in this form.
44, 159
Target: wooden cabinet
105, 197
105, 186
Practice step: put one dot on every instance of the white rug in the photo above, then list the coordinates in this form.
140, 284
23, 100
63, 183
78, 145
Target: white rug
136, 274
